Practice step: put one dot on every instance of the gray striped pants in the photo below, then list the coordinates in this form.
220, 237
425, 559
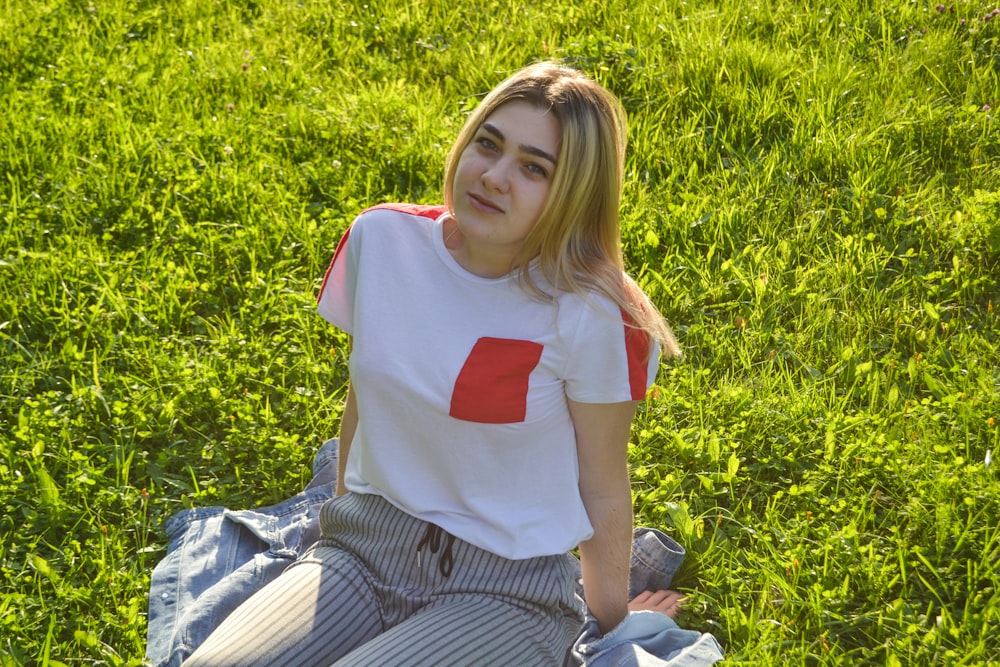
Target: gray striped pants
384, 588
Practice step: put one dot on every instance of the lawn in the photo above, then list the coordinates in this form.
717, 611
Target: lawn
812, 198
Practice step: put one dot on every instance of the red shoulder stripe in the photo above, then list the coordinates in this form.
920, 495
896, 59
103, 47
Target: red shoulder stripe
340, 246
637, 350
422, 210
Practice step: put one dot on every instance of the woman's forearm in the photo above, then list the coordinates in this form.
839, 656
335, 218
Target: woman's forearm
602, 431
605, 560
348, 425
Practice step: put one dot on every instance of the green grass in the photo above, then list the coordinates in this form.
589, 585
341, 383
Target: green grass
812, 199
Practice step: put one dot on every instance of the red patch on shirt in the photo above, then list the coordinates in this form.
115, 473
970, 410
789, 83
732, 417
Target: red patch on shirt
637, 350
492, 387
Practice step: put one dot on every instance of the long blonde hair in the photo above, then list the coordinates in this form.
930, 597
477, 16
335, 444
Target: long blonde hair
577, 237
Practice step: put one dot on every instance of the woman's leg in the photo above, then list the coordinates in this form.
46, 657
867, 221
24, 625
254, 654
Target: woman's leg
318, 610
469, 631
447, 602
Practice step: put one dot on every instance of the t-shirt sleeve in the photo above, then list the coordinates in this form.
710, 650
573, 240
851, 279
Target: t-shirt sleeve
609, 359
337, 295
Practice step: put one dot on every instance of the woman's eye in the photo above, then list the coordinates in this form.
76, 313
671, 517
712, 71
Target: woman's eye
487, 143
537, 169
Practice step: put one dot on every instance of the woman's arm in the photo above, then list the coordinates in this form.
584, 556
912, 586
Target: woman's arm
348, 424
602, 432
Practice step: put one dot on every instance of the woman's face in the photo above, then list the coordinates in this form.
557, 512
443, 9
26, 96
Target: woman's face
503, 178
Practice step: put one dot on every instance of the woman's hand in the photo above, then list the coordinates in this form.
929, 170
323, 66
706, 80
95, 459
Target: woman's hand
665, 602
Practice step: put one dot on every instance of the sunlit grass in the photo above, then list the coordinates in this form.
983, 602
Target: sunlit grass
812, 199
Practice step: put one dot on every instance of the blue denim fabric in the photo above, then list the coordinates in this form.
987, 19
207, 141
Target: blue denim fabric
655, 561
217, 558
646, 638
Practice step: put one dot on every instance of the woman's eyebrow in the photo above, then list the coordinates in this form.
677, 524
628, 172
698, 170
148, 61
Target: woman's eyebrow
533, 150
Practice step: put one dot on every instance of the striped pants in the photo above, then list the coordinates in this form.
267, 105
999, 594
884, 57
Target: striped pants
384, 588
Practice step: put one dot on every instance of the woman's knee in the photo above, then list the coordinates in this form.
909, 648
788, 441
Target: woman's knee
319, 609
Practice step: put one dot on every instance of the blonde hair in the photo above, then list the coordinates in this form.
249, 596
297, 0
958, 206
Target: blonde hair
577, 237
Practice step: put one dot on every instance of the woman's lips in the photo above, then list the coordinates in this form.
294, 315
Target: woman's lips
484, 204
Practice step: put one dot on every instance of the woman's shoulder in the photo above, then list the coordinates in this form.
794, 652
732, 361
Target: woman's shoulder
587, 308
396, 221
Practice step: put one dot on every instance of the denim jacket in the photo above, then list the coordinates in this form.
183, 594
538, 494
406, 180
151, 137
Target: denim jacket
217, 558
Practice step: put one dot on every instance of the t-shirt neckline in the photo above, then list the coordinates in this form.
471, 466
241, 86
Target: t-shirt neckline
449, 261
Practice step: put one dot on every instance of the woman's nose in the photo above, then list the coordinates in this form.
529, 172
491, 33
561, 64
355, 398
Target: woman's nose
497, 176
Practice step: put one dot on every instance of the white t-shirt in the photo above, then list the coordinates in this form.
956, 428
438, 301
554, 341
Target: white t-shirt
461, 384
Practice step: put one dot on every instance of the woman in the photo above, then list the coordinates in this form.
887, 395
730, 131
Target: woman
499, 352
